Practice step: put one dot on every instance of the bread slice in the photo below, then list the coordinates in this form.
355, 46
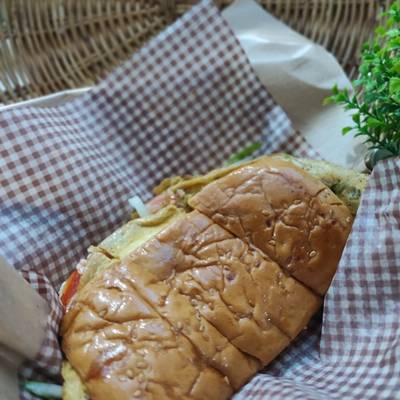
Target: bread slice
280, 209
190, 304
347, 184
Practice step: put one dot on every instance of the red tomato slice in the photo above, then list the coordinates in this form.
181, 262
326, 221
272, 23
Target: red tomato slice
71, 286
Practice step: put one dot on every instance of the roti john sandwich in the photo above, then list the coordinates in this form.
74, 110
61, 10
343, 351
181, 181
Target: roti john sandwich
192, 299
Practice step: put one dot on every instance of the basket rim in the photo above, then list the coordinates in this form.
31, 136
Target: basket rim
48, 100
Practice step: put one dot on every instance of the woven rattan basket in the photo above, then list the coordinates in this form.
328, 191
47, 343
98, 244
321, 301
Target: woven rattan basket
51, 45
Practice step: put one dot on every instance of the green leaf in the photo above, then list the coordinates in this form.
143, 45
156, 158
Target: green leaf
393, 33
373, 122
358, 82
340, 98
244, 153
394, 86
346, 129
335, 89
356, 118
380, 30
328, 100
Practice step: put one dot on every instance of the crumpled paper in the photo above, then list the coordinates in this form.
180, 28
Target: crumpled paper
299, 74
183, 104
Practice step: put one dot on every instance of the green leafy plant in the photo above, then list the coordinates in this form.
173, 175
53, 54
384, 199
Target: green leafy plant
376, 97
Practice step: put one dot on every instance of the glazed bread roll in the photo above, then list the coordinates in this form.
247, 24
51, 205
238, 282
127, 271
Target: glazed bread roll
191, 302
295, 220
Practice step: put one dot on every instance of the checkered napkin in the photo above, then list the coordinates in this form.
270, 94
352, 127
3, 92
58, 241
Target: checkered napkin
183, 104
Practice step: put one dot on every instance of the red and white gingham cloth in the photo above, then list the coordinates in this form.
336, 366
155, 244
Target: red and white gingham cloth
183, 104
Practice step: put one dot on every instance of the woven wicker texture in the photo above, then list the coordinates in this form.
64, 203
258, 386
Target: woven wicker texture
51, 45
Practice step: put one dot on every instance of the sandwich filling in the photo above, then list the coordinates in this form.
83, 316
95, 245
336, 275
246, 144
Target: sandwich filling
193, 300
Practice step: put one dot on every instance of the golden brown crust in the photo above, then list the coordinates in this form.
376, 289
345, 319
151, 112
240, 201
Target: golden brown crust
194, 309
205, 268
195, 294
219, 272
293, 218
122, 348
347, 184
